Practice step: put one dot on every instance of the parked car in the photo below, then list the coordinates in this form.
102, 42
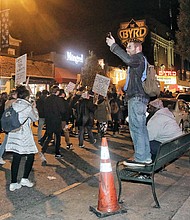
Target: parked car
185, 97
181, 111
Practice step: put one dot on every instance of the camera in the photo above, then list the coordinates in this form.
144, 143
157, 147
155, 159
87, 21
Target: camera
109, 34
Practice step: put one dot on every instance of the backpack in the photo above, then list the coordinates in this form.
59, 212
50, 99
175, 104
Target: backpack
150, 84
114, 107
10, 121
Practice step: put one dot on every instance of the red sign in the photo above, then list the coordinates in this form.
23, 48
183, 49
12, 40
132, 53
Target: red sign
167, 73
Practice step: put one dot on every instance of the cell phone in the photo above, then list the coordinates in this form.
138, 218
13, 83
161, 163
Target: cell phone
109, 34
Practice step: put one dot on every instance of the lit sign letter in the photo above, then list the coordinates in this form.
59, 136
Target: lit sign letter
76, 59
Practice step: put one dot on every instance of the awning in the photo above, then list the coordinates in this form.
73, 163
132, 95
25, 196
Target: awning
64, 76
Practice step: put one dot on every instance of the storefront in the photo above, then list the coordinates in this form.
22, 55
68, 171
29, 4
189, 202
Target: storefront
41, 74
67, 66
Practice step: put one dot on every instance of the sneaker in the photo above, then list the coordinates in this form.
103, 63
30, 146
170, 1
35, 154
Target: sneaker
81, 146
42, 157
2, 161
26, 182
58, 156
149, 161
14, 186
134, 163
69, 146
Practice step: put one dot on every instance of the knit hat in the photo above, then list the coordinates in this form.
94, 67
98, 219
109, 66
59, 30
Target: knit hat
157, 103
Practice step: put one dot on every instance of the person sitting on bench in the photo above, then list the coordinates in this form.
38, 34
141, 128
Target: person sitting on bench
162, 126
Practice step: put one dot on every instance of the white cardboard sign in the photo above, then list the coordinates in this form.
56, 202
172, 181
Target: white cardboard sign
101, 84
20, 69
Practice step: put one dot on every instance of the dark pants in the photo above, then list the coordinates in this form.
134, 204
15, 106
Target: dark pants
81, 134
49, 138
15, 166
115, 122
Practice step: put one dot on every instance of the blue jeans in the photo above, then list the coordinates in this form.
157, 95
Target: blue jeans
137, 125
81, 134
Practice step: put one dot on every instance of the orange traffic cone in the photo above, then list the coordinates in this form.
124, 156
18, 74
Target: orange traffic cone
107, 199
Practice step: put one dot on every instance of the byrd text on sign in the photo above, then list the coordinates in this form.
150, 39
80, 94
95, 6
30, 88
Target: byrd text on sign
132, 31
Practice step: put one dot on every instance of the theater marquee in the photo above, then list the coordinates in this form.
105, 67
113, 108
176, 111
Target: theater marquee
168, 77
132, 31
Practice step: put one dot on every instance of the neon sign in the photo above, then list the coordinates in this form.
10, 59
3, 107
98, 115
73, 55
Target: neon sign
131, 31
73, 58
167, 73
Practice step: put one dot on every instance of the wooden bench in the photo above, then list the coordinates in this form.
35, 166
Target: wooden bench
167, 153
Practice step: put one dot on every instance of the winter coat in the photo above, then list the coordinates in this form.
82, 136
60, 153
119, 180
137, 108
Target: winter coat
53, 110
40, 106
66, 115
103, 112
85, 112
162, 126
22, 140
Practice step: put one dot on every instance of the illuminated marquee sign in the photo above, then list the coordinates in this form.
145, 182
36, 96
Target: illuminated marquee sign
73, 58
168, 77
131, 31
167, 73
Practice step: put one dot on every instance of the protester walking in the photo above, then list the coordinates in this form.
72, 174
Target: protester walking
53, 110
40, 106
65, 119
85, 109
102, 115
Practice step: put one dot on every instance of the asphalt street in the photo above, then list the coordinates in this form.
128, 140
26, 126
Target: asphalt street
65, 188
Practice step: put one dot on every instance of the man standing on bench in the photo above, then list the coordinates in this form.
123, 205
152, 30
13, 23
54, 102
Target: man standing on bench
162, 126
137, 98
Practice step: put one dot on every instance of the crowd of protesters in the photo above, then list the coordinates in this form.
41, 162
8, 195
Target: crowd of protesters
61, 114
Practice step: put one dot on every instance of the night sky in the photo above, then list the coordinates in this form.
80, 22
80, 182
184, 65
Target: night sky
78, 25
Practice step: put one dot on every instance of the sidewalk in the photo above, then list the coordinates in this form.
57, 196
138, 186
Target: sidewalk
72, 203
67, 199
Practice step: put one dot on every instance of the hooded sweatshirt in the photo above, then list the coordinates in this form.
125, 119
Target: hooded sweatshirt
162, 126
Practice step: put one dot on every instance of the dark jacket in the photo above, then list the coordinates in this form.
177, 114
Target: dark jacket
53, 113
65, 105
136, 63
85, 112
40, 106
